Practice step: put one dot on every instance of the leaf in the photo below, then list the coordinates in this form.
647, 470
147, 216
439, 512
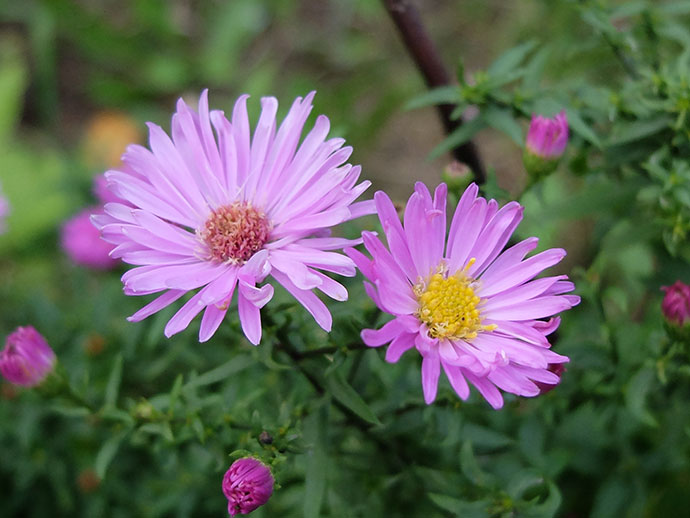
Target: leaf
346, 395
461, 508
113, 387
636, 395
220, 373
107, 453
469, 466
503, 121
548, 508
510, 59
316, 433
441, 95
482, 436
579, 126
459, 136
162, 429
637, 130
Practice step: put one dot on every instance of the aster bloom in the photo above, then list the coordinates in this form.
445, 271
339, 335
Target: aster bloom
27, 358
676, 304
464, 304
248, 484
219, 209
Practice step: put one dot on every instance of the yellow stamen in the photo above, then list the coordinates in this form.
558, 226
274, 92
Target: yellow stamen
449, 306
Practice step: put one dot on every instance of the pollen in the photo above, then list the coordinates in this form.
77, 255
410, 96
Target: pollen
449, 307
233, 233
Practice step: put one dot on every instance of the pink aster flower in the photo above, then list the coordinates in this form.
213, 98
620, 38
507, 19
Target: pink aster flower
676, 303
248, 484
82, 242
219, 209
27, 358
547, 138
466, 305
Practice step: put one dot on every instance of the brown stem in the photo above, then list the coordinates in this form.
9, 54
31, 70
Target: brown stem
426, 57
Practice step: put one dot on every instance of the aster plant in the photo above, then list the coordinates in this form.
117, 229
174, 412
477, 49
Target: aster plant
219, 209
461, 301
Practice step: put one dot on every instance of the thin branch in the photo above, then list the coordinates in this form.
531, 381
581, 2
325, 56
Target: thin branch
426, 57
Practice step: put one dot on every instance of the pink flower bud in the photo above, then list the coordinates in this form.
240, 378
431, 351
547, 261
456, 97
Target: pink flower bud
248, 484
82, 242
547, 138
676, 303
27, 358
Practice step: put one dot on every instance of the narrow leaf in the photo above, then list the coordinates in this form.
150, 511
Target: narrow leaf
459, 136
510, 59
441, 95
503, 121
107, 453
112, 389
346, 395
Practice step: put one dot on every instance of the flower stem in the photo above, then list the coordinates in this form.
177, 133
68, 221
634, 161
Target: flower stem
428, 61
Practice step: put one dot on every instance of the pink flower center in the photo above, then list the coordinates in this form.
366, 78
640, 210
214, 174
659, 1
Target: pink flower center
235, 232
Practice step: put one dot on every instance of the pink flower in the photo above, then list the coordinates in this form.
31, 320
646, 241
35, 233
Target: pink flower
547, 138
4, 211
676, 303
248, 484
27, 358
82, 242
218, 209
467, 306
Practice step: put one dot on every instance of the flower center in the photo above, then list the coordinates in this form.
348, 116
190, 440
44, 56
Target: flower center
235, 232
448, 306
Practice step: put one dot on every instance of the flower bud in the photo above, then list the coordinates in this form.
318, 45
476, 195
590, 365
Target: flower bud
676, 304
546, 142
27, 358
248, 484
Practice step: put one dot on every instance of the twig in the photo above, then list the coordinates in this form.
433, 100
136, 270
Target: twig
427, 59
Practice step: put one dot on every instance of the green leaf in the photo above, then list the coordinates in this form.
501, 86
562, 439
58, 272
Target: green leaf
548, 508
316, 433
459, 136
107, 453
580, 127
162, 429
461, 508
220, 373
511, 59
637, 130
469, 466
482, 436
503, 121
636, 395
112, 389
441, 95
346, 395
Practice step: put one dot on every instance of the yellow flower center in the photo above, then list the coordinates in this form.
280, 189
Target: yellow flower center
449, 307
